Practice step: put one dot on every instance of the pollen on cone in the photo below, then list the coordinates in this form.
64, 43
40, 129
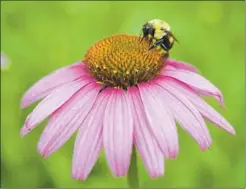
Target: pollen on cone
123, 61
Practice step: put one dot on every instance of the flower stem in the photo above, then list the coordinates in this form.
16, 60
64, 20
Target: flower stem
132, 175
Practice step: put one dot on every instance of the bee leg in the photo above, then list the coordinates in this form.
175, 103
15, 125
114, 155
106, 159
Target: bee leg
158, 42
150, 41
166, 55
153, 46
143, 37
164, 47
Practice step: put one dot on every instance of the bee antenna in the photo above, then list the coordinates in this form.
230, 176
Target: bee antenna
175, 39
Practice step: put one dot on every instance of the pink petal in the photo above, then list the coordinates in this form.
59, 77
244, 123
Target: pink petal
197, 82
161, 122
118, 131
47, 84
66, 120
206, 110
51, 103
89, 140
144, 140
186, 114
181, 65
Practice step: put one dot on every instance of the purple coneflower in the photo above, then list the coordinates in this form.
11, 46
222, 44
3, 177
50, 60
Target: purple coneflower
122, 94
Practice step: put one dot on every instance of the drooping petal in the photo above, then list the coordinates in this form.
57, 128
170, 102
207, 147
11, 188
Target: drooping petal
200, 84
161, 121
67, 119
51, 103
89, 139
47, 84
205, 109
145, 142
181, 65
186, 114
118, 131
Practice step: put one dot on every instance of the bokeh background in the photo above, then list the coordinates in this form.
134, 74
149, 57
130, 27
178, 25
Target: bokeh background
39, 37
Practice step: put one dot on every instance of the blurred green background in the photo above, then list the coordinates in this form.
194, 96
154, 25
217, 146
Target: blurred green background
39, 37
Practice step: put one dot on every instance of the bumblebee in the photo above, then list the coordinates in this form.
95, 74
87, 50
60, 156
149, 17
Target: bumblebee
158, 33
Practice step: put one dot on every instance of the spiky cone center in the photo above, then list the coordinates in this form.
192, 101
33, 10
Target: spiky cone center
123, 61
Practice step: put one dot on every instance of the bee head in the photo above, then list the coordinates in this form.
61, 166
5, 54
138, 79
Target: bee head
158, 32
148, 30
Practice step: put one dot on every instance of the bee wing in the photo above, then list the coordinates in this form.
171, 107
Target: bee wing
175, 39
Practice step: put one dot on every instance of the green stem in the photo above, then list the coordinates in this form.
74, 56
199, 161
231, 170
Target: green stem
132, 175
